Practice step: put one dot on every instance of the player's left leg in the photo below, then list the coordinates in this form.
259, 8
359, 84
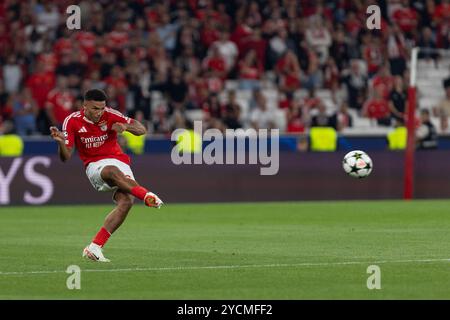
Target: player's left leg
114, 177
113, 221
118, 215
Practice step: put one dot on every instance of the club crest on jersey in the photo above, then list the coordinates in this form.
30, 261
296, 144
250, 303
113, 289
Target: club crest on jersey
103, 125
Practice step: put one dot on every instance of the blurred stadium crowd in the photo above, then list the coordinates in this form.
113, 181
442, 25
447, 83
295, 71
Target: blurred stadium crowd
284, 64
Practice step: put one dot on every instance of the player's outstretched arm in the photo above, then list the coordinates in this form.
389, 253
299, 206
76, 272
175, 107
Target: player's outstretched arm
135, 128
64, 152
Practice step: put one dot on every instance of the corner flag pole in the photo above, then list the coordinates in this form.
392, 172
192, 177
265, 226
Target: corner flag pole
408, 178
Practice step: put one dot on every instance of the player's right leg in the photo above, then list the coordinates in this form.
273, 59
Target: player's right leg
115, 177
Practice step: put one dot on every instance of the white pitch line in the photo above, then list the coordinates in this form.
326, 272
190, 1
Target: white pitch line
276, 265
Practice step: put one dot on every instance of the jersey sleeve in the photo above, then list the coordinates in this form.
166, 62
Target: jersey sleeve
69, 131
116, 116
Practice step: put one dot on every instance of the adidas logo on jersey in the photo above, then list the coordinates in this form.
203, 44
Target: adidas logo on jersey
83, 129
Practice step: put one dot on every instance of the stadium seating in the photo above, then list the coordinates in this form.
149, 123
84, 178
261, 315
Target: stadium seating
127, 52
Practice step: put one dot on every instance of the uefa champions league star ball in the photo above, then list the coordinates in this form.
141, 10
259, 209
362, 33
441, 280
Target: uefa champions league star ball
357, 164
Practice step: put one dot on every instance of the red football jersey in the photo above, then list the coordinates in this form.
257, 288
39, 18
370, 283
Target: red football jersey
95, 141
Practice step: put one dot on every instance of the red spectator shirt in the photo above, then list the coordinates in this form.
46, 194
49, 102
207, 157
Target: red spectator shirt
215, 64
296, 125
40, 85
208, 36
284, 103
373, 57
49, 60
406, 18
152, 16
5, 42
377, 109
259, 45
384, 84
119, 83
87, 41
240, 35
63, 46
117, 39
203, 14
62, 103
312, 102
289, 77
353, 26
249, 72
3, 9
442, 11
95, 141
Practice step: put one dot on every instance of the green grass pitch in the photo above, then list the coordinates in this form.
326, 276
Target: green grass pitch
308, 250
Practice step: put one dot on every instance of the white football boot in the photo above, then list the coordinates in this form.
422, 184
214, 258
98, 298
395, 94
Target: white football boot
152, 200
94, 252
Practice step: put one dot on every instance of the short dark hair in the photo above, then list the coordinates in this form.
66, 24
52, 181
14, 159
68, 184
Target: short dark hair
95, 95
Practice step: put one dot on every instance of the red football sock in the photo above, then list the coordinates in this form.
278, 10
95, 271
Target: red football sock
139, 192
101, 237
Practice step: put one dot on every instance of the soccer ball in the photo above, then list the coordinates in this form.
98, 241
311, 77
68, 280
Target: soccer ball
357, 164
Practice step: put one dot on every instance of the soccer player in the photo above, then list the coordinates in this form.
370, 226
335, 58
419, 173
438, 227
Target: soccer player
93, 131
